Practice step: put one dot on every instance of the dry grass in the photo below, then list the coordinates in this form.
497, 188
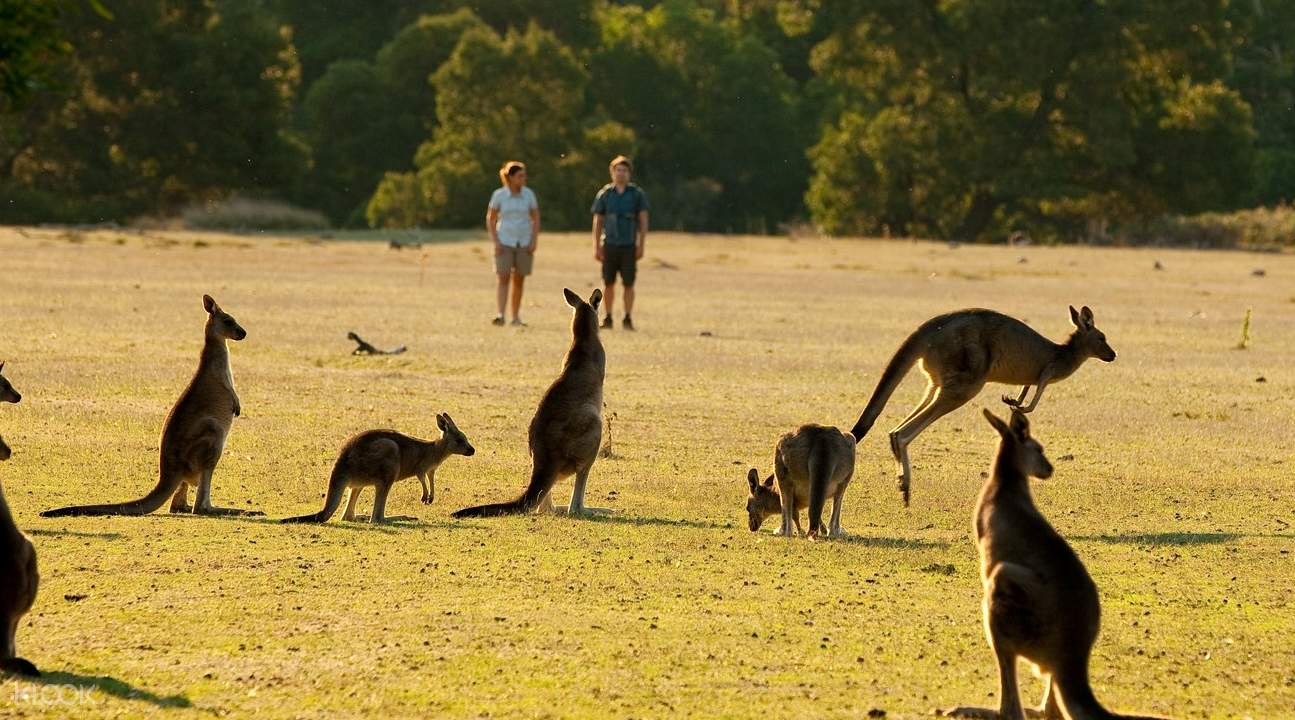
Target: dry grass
1179, 494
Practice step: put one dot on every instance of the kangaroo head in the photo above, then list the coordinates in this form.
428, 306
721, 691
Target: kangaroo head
454, 438
1087, 337
221, 323
7, 393
585, 321
5, 452
1015, 443
763, 500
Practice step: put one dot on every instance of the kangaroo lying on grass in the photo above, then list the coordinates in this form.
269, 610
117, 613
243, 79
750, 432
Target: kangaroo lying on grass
18, 591
1040, 603
568, 425
379, 458
193, 437
963, 350
811, 464
7, 393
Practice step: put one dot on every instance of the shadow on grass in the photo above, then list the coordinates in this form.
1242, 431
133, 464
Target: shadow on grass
75, 533
110, 686
392, 527
893, 543
643, 521
1167, 538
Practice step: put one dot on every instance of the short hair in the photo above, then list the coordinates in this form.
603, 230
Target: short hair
509, 169
620, 160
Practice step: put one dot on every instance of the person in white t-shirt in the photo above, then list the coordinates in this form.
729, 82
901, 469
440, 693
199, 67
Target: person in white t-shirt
513, 221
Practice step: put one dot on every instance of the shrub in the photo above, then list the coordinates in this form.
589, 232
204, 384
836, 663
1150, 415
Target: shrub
241, 214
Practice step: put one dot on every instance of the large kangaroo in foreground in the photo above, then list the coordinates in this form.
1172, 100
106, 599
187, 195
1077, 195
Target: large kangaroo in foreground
568, 425
193, 437
811, 464
1040, 603
18, 591
963, 350
379, 458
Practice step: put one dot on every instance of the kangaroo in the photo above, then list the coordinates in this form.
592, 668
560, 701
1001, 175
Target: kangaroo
18, 592
7, 393
960, 352
379, 458
811, 464
568, 425
1040, 603
193, 437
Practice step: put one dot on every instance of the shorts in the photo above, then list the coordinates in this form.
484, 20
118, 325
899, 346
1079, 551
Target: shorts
515, 260
620, 259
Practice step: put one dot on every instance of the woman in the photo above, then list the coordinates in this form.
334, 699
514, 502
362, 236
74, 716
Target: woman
513, 221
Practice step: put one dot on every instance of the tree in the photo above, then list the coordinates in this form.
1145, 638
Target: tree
521, 96
970, 117
29, 43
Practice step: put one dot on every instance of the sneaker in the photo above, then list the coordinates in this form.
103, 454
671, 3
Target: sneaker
498, 321
607, 323
627, 323
518, 322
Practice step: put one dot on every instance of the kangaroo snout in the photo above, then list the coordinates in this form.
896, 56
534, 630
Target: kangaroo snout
470, 451
239, 333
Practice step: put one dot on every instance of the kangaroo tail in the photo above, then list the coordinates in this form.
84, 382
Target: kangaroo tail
332, 500
1076, 696
19, 666
903, 360
818, 474
542, 480
143, 506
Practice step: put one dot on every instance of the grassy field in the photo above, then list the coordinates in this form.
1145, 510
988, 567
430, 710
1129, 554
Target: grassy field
1174, 482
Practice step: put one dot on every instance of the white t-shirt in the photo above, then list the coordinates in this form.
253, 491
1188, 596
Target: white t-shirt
514, 225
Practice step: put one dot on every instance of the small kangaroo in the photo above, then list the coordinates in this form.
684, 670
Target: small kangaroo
568, 425
379, 458
1040, 603
194, 435
811, 464
18, 592
7, 393
963, 350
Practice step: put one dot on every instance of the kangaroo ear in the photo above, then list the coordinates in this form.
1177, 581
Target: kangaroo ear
1086, 315
572, 299
596, 298
997, 424
1, 365
753, 479
768, 482
440, 422
1074, 317
209, 305
1020, 424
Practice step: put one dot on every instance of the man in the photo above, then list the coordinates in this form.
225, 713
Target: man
620, 213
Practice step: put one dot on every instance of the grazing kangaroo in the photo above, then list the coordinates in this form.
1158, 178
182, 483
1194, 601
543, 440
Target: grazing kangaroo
193, 437
568, 425
7, 393
1040, 603
379, 458
811, 464
18, 592
963, 350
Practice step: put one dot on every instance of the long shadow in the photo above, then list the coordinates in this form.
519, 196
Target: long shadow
75, 533
391, 528
893, 543
111, 686
641, 521
1167, 538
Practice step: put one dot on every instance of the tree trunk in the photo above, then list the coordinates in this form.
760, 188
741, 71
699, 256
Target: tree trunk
978, 216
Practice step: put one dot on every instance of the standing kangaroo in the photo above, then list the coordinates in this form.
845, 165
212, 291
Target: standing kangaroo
963, 350
7, 393
18, 591
379, 458
568, 425
1040, 603
193, 437
811, 465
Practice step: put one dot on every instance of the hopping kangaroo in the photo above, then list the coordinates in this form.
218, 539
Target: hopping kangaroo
379, 458
18, 592
7, 393
963, 350
193, 437
568, 425
1040, 603
811, 465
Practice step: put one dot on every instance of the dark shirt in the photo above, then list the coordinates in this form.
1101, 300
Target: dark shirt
620, 211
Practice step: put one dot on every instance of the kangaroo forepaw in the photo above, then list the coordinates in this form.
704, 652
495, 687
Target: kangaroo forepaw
427, 499
1011, 401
